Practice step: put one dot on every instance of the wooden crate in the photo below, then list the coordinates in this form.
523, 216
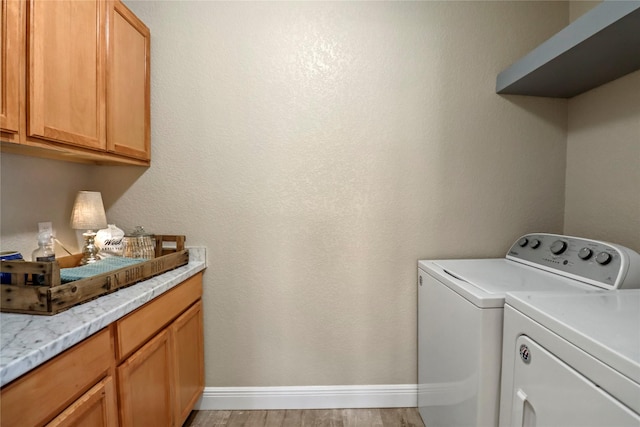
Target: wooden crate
49, 296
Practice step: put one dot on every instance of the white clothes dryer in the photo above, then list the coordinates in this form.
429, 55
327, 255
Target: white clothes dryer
571, 360
460, 316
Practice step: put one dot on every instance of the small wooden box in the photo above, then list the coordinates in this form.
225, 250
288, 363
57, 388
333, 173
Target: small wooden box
50, 296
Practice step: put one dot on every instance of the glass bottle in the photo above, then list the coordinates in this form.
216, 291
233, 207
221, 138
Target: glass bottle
45, 252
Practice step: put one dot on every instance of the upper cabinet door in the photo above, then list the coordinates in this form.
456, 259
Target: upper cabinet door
128, 106
66, 71
11, 53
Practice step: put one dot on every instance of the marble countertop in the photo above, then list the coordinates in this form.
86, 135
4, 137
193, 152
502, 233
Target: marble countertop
27, 341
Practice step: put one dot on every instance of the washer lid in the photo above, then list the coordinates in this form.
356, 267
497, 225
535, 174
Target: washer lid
485, 282
605, 324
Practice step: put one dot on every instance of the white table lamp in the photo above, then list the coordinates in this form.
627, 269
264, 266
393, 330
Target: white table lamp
88, 214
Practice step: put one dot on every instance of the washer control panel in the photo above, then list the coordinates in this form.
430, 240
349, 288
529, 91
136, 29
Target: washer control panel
599, 263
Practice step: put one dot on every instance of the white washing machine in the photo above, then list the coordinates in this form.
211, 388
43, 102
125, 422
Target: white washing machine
571, 360
460, 316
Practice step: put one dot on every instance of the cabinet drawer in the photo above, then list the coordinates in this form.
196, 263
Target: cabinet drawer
133, 330
40, 395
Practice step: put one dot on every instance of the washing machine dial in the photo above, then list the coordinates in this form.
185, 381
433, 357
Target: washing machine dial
523, 242
558, 247
585, 253
535, 243
603, 258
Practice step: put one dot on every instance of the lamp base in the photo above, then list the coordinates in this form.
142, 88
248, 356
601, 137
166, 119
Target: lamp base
90, 250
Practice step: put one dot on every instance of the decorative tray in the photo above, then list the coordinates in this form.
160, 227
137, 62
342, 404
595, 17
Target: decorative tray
36, 287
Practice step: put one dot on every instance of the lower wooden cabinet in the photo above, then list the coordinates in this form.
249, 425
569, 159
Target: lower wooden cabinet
188, 351
161, 359
146, 369
95, 408
61, 385
160, 383
145, 384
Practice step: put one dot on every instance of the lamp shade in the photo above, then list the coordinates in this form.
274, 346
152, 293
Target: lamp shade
88, 211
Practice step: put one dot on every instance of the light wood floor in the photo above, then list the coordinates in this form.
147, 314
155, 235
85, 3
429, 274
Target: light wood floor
391, 417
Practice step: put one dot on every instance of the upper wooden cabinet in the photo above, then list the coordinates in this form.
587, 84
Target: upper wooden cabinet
11, 66
66, 72
83, 93
128, 109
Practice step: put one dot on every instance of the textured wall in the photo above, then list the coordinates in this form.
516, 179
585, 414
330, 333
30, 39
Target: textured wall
38, 190
319, 150
577, 8
603, 159
603, 163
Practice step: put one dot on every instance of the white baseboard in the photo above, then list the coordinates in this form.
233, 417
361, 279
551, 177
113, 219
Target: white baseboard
309, 397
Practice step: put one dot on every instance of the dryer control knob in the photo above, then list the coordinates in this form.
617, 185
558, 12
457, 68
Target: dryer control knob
523, 242
585, 253
558, 247
603, 258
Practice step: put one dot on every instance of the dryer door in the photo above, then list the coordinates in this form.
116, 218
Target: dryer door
548, 392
